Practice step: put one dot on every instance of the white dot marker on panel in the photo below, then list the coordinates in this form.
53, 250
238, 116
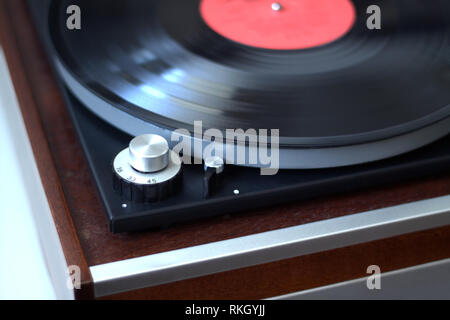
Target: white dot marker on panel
236, 191
124, 205
276, 6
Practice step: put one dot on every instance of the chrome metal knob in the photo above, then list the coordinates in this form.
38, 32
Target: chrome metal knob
214, 162
147, 171
212, 178
149, 153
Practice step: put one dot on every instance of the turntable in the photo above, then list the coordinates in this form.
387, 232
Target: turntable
256, 130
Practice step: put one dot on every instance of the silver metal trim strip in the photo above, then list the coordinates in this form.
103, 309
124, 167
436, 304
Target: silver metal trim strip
426, 281
191, 262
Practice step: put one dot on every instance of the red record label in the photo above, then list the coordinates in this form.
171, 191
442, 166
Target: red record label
280, 25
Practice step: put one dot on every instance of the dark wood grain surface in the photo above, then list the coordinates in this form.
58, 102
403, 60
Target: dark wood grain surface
83, 228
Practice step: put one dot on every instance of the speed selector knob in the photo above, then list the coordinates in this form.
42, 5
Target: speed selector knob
147, 171
149, 153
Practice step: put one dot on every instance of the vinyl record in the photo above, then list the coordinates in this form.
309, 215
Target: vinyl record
339, 92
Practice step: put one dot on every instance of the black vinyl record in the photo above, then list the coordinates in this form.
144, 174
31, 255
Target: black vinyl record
159, 63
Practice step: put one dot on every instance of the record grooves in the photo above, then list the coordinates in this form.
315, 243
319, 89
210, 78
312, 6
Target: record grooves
366, 87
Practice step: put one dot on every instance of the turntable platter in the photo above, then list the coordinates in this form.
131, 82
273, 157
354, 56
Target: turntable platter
362, 95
